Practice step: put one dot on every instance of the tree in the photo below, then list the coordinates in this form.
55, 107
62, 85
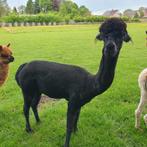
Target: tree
141, 11
46, 5
136, 15
21, 9
14, 11
30, 7
56, 5
84, 11
4, 8
36, 7
69, 8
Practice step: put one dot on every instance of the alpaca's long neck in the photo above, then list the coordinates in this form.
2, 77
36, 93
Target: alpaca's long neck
105, 75
3, 73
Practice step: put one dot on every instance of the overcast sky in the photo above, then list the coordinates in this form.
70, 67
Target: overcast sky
97, 5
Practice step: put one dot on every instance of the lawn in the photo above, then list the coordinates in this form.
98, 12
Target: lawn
107, 121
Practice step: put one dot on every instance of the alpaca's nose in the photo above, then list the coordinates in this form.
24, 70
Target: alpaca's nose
11, 59
110, 48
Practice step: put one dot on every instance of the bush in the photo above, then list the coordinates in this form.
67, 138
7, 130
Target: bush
12, 19
90, 19
79, 19
66, 19
33, 18
125, 18
135, 20
55, 17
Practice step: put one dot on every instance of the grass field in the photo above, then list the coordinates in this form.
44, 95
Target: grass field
107, 121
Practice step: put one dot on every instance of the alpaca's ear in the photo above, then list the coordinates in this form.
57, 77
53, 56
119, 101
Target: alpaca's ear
126, 37
8, 45
99, 37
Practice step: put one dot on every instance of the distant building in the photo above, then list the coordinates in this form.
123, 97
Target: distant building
112, 13
145, 13
129, 13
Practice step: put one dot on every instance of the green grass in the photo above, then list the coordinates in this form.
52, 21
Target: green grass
107, 121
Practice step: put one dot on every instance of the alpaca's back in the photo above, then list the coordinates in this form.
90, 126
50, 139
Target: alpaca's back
53, 79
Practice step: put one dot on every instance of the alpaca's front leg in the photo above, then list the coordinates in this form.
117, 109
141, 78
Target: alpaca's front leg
137, 117
71, 116
139, 110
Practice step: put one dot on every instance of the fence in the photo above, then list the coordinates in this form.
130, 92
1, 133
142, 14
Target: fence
16, 24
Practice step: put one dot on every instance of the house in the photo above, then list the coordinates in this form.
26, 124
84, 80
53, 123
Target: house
145, 13
129, 13
112, 13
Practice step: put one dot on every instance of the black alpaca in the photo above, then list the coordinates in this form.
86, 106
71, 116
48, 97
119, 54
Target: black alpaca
73, 83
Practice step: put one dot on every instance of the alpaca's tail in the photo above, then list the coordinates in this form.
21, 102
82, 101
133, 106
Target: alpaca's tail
17, 73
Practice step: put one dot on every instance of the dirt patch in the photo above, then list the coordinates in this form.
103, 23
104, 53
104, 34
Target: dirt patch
9, 29
45, 99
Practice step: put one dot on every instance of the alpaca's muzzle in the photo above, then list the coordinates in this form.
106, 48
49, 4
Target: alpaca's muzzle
110, 49
11, 59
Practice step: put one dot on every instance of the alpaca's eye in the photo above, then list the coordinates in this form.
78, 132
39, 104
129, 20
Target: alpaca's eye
4, 56
106, 36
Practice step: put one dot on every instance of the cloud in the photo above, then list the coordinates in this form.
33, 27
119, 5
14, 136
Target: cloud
101, 5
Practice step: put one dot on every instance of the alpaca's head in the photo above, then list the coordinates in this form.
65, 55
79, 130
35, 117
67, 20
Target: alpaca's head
113, 32
6, 54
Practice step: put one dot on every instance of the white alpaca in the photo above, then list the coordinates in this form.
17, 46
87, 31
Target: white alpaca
142, 81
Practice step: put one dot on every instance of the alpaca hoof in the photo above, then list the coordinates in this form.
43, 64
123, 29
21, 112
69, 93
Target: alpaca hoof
29, 130
145, 119
137, 125
38, 122
65, 145
75, 130
139, 128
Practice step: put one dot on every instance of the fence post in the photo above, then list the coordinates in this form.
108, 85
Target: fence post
38, 24
22, 24
33, 23
49, 23
54, 23
15, 24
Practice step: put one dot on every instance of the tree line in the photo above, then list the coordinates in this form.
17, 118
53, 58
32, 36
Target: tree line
62, 7
49, 11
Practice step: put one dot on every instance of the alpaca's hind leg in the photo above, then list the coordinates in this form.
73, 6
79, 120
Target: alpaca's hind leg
26, 108
140, 107
76, 121
26, 114
34, 105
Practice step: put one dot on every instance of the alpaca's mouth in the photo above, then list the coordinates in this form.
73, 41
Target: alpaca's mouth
11, 59
8, 60
110, 49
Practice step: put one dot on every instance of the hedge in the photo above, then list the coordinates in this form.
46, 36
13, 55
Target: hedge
47, 18
33, 18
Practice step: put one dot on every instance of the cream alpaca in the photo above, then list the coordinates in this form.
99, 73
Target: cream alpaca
142, 81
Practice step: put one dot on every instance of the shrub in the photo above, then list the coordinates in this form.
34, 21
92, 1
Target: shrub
33, 18
135, 20
90, 19
56, 17
125, 18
